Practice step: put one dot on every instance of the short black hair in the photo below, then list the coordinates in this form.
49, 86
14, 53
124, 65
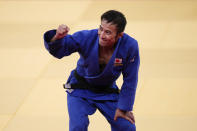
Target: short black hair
116, 18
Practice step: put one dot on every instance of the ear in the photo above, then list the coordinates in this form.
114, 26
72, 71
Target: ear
120, 34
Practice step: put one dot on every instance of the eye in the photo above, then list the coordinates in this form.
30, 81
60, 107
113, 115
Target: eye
100, 28
108, 32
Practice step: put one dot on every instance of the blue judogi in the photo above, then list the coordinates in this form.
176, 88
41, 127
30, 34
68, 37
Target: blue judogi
125, 59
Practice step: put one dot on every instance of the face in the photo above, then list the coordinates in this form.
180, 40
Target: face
108, 34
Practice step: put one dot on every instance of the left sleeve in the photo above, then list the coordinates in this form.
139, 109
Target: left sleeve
130, 79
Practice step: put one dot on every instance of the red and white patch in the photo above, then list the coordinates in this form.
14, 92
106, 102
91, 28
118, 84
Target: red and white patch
118, 61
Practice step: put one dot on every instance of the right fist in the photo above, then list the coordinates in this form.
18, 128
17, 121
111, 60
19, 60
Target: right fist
62, 31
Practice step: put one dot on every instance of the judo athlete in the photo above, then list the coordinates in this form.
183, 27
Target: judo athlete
105, 53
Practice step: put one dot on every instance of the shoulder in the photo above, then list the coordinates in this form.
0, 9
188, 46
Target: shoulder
87, 33
84, 35
129, 42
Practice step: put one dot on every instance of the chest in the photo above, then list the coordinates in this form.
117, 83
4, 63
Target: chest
105, 56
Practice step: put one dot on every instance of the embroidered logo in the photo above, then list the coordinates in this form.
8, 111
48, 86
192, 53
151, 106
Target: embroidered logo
118, 62
132, 60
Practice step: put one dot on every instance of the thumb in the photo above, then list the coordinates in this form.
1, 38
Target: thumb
116, 116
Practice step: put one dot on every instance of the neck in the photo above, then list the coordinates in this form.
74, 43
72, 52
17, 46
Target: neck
106, 48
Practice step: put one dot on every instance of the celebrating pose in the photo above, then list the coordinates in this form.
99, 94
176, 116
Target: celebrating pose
105, 53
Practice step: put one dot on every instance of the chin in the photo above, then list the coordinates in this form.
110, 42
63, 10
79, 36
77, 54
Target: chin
103, 44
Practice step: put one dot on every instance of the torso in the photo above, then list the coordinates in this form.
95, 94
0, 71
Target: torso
104, 57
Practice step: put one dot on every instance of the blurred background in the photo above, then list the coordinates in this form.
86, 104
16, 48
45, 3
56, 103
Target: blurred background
31, 93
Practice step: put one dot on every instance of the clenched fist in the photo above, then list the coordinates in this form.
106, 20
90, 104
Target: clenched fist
62, 31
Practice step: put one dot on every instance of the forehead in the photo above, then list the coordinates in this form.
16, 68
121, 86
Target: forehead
108, 26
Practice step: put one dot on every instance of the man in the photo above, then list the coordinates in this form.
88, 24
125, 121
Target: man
104, 54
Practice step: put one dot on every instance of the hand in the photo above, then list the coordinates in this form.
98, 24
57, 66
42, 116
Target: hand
61, 32
128, 115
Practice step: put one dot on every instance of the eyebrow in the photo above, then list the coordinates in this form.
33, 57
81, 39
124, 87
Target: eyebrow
106, 30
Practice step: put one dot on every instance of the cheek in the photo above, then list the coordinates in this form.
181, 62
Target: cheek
112, 39
109, 38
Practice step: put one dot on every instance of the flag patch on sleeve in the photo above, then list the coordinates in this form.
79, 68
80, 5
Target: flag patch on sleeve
118, 62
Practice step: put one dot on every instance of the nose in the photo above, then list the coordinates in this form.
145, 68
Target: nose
102, 35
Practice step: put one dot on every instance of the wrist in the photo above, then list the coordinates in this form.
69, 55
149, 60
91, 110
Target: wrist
53, 39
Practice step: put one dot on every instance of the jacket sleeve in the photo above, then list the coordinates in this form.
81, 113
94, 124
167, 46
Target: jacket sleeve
62, 47
130, 79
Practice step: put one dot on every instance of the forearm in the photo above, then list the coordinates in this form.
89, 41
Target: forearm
59, 47
53, 39
53, 47
126, 98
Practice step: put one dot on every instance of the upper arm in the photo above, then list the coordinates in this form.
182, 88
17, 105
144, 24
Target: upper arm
131, 66
130, 79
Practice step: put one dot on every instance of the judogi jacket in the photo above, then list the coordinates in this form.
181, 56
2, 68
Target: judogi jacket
125, 59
